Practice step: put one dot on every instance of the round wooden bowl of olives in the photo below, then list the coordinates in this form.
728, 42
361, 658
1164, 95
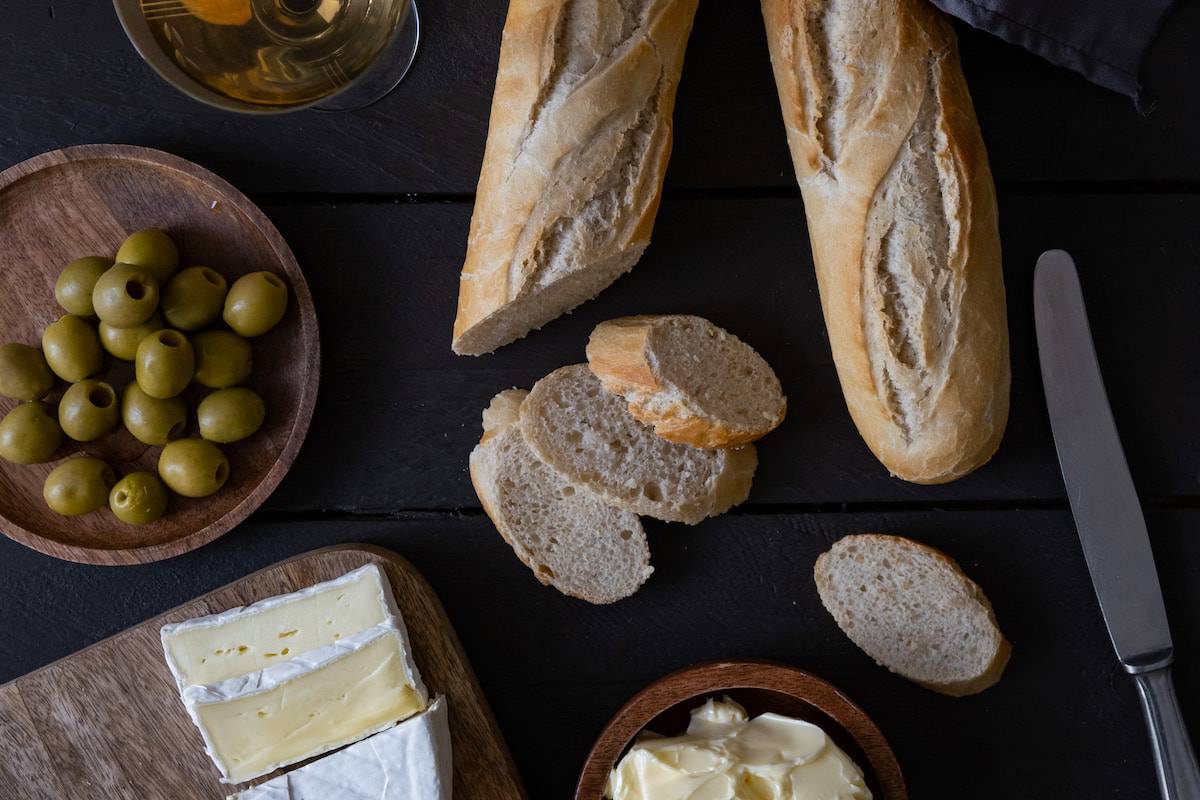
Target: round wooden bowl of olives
159, 355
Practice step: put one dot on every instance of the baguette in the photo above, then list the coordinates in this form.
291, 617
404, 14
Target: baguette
902, 217
695, 383
578, 143
588, 436
564, 534
911, 608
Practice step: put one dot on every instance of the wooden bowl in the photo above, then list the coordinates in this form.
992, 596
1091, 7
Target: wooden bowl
665, 707
83, 201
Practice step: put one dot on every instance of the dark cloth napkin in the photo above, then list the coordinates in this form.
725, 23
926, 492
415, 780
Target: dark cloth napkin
1103, 40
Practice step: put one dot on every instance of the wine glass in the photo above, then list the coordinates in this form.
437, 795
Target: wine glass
273, 56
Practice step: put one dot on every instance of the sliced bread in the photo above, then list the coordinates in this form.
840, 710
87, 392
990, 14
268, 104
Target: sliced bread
694, 382
566, 535
588, 436
911, 608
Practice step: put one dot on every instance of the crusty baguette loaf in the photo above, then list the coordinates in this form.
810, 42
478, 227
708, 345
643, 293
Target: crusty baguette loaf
588, 436
694, 382
902, 216
567, 536
578, 143
911, 608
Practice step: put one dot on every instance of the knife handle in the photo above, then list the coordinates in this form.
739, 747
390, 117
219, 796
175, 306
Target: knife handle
1174, 758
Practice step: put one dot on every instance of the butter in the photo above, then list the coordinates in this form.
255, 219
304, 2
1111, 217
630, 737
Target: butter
309, 705
242, 640
726, 756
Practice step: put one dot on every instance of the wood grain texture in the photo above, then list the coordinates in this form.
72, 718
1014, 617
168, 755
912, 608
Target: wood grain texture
1041, 123
108, 721
83, 201
759, 687
1063, 722
408, 410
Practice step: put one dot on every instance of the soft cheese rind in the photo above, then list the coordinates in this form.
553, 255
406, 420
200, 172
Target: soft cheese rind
180, 645
198, 699
411, 761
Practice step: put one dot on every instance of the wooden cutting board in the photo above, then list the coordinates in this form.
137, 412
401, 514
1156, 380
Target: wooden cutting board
107, 722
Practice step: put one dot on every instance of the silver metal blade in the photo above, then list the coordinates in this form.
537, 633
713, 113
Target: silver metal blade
1107, 513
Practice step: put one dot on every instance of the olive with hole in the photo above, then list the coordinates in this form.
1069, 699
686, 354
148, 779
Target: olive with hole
164, 364
78, 486
152, 250
73, 289
122, 343
230, 415
138, 498
29, 434
150, 420
72, 348
193, 467
125, 296
223, 359
88, 410
24, 373
255, 303
194, 298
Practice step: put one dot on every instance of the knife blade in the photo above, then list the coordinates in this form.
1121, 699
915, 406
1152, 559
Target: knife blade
1108, 517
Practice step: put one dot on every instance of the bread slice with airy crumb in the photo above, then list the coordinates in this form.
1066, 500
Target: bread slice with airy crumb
587, 435
565, 534
694, 382
911, 608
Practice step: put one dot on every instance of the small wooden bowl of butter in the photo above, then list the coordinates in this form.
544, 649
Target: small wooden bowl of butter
735, 721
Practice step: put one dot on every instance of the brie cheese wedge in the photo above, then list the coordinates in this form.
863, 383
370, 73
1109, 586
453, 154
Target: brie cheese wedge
317, 701
411, 761
243, 640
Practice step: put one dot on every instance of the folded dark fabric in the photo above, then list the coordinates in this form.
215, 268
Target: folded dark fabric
1104, 40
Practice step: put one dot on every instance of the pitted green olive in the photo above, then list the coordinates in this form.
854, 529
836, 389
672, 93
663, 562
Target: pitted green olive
72, 349
73, 289
230, 415
193, 467
150, 420
164, 364
255, 303
125, 296
78, 486
29, 434
122, 342
194, 298
88, 410
152, 250
24, 373
223, 359
138, 498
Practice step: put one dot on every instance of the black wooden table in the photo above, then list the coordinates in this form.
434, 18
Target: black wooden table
376, 206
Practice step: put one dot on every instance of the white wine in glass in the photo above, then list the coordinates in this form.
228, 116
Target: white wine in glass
282, 54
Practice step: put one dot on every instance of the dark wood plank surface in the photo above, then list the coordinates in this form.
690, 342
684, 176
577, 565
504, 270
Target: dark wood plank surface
1041, 124
1063, 722
376, 205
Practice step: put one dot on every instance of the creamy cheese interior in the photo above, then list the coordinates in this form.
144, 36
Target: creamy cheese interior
726, 756
213, 649
337, 703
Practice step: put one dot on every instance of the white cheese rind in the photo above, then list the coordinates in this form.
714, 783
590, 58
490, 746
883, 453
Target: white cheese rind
175, 631
271, 678
411, 761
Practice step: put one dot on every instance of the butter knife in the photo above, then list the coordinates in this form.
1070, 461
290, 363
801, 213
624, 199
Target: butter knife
1108, 516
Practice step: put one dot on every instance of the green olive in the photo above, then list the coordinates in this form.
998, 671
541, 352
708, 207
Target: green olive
125, 296
152, 250
123, 342
194, 298
29, 434
138, 498
230, 415
78, 486
24, 373
222, 359
150, 420
164, 364
193, 467
72, 348
88, 410
255, 303
73, 289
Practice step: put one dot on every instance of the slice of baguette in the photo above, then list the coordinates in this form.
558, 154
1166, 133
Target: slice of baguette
566, 535
586, 434
694, 382
911, 608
